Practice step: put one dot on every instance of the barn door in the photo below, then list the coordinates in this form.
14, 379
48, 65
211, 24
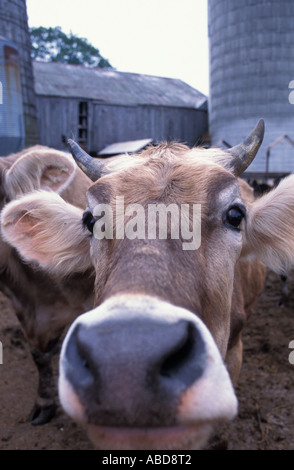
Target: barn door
83, 123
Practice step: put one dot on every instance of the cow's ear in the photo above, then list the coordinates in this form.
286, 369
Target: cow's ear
39, 168
270, 227
43, 228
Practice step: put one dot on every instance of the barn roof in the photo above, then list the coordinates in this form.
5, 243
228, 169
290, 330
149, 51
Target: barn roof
111, 86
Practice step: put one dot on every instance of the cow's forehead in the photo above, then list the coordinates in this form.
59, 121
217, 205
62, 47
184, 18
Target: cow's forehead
179, 177
220, 188
228, 191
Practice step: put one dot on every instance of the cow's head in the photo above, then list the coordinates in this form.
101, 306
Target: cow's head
146, 367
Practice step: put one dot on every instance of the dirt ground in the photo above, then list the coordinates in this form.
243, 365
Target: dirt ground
265, 390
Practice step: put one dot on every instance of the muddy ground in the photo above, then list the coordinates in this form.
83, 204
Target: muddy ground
265, 390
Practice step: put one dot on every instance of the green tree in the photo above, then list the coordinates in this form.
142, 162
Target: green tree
53, 45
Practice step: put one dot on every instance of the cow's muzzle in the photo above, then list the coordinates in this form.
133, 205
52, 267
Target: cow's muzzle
139, 363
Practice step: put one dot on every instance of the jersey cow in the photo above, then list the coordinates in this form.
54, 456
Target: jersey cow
154, 363
43, 304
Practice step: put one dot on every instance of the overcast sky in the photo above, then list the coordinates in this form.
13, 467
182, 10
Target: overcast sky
156, 37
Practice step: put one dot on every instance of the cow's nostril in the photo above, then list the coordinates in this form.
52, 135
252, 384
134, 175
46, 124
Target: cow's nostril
85, 364
177, 358
78, 364
186, 361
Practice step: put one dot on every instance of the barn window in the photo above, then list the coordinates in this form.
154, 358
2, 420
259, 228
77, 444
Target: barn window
83, 122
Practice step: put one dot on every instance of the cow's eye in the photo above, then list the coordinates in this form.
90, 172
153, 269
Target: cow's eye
234, 216
88, 221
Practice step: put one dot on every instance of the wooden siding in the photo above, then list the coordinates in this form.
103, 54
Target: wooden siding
114, 123
57, 117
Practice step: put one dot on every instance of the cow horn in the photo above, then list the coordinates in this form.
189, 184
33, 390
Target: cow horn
243, 154
87, 164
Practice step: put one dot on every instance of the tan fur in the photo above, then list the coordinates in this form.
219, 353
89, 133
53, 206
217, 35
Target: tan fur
269, 231
170, 173
54, 225
43, 167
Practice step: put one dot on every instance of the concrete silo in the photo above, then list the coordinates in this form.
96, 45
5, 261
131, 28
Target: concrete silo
14, 28
251, 46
